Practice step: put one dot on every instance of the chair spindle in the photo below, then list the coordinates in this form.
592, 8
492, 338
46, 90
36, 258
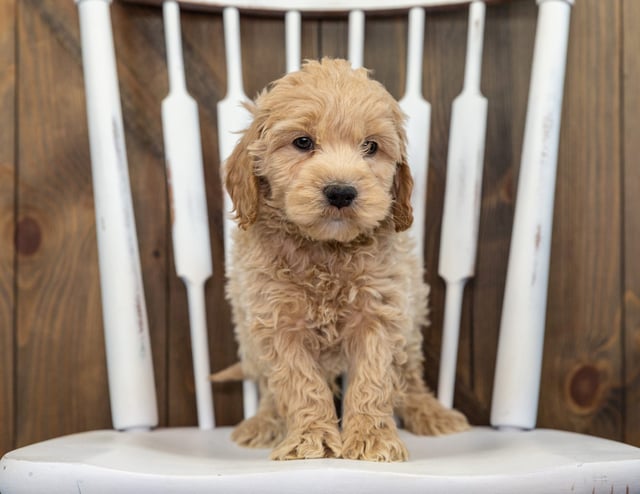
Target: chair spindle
190, 222
461, 212
233, 118
418, 112
293, 27
126, 328
519, 360
356, 38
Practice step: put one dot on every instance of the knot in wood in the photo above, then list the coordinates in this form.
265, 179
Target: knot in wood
585, 387
28, 236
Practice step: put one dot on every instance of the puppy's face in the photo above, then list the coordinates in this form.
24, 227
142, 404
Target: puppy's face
326, 152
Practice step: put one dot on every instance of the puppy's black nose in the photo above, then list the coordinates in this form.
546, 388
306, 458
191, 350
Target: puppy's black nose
340, 196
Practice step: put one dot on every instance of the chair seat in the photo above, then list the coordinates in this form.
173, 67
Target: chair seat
195, 461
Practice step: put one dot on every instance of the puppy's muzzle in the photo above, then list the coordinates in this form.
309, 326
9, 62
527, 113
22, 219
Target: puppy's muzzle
339, 195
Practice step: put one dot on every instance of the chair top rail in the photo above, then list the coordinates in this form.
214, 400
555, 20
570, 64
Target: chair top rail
315, 6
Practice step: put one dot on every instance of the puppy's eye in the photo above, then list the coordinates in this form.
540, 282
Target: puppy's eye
303, 143
370, 147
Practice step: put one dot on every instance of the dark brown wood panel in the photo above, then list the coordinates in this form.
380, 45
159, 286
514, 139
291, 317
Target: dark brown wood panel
61, 377
582, 371
7, 220
631, 261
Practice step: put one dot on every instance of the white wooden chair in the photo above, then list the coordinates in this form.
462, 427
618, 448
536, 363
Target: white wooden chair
512, 456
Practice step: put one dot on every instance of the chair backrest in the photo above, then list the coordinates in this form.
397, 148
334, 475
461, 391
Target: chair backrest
519, 359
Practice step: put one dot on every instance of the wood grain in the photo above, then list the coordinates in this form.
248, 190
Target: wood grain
61, 377
7, 220
582, 370
631, 262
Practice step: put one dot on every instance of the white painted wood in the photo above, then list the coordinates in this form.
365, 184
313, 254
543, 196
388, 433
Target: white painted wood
188, 202
324, 6
461, 212
250, 398
233, 118
481, 461
519, 360
450, 337
200, 353
356, 38
129, 361
418, 112
293, 28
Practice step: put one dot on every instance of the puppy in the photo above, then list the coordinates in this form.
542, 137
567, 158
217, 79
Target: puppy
323, 279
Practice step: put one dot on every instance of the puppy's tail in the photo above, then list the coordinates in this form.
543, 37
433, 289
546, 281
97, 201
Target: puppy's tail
231, 373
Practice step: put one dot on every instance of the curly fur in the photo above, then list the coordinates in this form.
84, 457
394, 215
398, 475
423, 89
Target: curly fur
318, 290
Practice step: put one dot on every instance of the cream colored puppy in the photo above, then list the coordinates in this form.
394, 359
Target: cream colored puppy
323, 279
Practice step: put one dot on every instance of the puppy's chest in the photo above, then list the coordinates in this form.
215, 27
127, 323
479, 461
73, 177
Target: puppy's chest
322, 290
328, 296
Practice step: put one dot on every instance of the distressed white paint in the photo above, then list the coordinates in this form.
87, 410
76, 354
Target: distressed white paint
519, 360
418, 112
177, 460
356, 38
293, 28
233, 118
189, 218
320, 6
461, 213
129, 362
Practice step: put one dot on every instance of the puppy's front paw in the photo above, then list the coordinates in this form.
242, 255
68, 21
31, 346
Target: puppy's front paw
436, 422
373, 443
315, 443
259, 432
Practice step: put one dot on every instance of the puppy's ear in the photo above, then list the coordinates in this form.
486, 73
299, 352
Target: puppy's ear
402, 187
240, 179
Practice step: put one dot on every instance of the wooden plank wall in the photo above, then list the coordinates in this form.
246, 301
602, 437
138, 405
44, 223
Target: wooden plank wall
7, 219
631, 205
51, 345
584, 363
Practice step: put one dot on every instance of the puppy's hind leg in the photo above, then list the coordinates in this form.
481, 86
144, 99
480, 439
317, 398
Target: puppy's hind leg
422, 413
266, 428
